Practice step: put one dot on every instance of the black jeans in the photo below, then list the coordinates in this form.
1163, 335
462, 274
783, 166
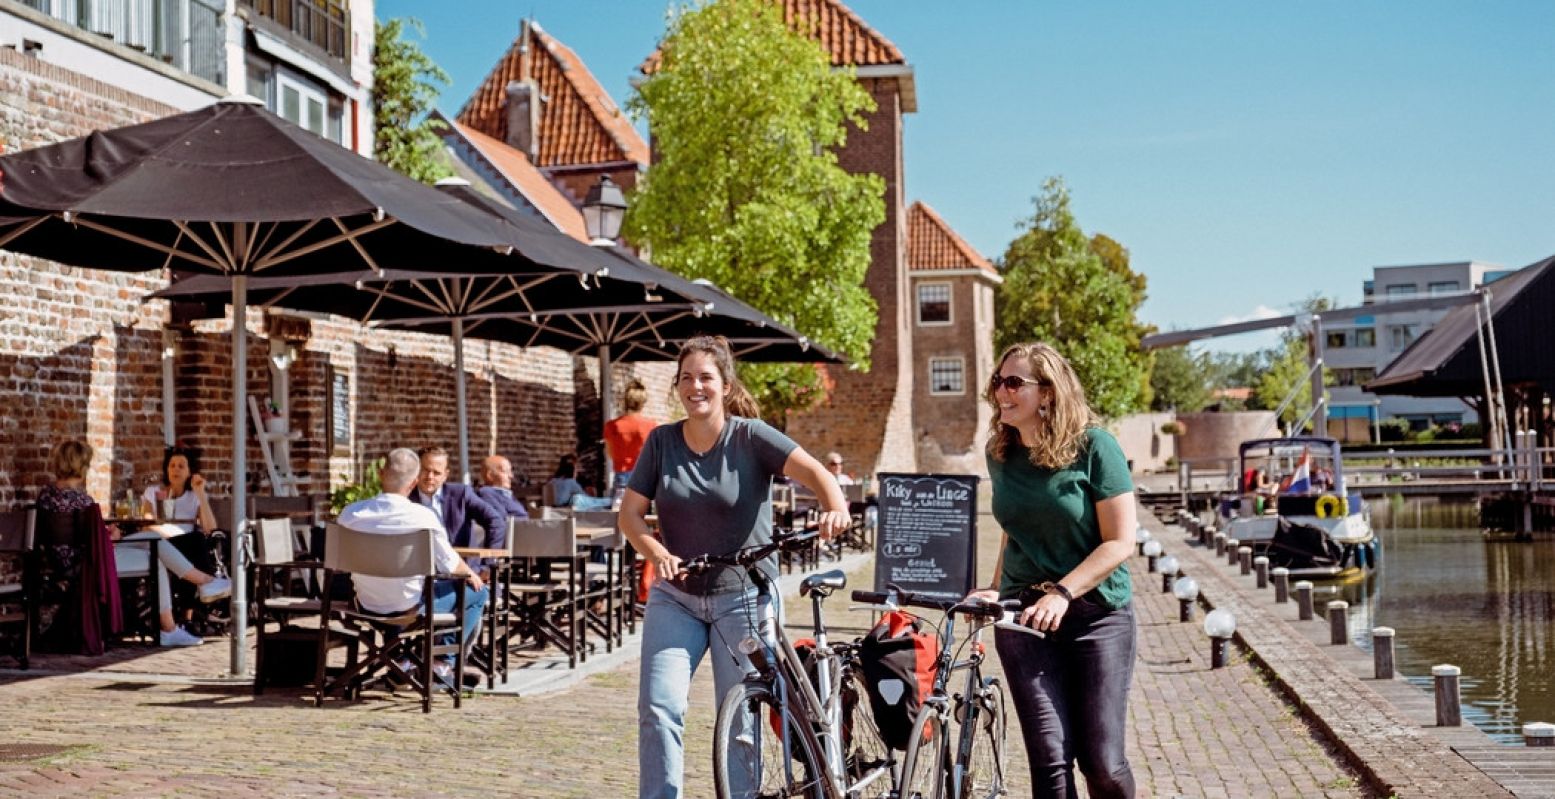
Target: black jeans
1070, 692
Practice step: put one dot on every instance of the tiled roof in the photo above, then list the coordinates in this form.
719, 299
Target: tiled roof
535, 187
841, 33
579, 123
931, 244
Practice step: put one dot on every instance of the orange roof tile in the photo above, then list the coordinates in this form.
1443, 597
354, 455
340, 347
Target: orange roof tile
579, 123
514, 166
841, 33
931, 244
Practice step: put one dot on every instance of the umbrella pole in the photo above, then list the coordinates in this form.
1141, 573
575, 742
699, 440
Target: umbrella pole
239, 601
461, 417
605, 408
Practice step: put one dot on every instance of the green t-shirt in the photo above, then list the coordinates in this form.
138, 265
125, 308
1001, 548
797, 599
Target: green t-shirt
1049, 515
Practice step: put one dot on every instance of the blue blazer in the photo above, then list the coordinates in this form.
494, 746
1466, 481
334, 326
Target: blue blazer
462, 509
503, 501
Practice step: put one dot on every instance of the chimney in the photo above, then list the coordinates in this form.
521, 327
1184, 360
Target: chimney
523, 102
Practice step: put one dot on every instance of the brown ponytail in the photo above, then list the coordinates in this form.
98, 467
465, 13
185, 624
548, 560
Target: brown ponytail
738, 401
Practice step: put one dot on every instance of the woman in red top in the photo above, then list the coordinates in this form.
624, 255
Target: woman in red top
625, 434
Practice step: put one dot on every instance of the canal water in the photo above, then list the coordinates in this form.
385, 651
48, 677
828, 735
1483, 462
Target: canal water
1454, 597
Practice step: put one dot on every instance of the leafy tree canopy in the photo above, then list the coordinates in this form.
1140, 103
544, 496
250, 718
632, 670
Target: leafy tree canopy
1182, 380
746, 190
1079, 295
1288, 367
405, 84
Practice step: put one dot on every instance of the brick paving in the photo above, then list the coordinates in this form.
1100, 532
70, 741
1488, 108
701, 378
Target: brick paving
1194, 732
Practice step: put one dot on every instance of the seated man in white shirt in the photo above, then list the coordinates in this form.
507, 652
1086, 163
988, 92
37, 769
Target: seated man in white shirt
834, 465
393, 512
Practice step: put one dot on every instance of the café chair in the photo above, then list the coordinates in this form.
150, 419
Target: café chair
283, 599
604, 582
542, 590
68, 554
15, 600
390, 641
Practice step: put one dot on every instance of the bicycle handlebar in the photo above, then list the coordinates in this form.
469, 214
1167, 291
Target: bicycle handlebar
991, 611
750, 556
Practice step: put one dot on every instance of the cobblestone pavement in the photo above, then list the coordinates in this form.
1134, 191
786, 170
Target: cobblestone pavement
1194, 732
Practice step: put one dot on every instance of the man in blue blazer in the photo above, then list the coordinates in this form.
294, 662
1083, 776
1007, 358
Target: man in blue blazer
497, 487
457, 505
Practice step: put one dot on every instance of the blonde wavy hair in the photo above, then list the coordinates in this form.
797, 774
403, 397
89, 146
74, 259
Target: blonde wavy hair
1060, 440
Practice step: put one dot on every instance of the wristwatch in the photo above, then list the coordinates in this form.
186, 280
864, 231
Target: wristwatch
1056, 588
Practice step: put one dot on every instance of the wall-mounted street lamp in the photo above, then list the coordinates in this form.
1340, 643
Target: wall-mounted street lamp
603, 209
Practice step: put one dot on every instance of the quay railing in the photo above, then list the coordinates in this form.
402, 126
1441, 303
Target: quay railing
187, 34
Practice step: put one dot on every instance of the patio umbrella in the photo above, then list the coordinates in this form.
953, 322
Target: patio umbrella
236, 191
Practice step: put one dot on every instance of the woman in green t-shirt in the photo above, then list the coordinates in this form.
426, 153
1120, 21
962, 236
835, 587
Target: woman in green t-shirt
1062, 494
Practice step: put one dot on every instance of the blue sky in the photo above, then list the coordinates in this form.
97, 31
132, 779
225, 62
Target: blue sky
1248, 155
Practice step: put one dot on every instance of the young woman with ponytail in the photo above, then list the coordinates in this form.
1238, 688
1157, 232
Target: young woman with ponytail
711, 476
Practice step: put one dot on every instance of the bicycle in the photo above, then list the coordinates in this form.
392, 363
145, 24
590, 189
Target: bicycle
976, 771
790, 729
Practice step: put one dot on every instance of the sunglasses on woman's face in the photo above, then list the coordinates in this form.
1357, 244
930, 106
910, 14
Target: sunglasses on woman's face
1013, 382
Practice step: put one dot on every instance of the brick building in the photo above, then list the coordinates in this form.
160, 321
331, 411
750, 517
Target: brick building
952, 329
86, 356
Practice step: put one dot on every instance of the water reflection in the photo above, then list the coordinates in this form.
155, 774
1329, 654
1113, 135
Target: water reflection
1454, 597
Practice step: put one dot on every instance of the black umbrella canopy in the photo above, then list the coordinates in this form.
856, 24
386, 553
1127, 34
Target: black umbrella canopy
234, 189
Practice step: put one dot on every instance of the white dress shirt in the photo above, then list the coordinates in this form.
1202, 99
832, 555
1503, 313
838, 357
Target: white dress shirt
395, 513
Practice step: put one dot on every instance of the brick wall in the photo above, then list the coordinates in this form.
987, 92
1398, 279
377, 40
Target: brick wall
868, 417
81, 357
952, 429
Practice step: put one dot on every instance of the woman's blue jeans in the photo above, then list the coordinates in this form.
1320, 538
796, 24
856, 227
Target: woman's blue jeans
678, 628
1070, 691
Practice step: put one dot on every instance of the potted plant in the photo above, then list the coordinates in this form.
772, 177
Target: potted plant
366, 488
1174, 428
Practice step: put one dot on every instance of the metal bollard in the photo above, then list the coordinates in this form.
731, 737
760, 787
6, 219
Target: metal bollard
1281, 577
1207, 535
1449, 713
1382, 652
1244, 559
1261, 570
1303, 590
1220, 545
1232, 548
1538, 733
1338, 622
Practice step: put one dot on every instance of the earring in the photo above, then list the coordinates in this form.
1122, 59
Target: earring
1042, 412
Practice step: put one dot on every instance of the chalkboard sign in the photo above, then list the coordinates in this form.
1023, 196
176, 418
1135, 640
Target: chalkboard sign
339, 404
927, 540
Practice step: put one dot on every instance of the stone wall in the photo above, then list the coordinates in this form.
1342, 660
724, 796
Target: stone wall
1143, 443
868, 417
1210, 436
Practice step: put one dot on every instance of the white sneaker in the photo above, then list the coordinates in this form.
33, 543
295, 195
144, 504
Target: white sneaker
218, 588
178, 636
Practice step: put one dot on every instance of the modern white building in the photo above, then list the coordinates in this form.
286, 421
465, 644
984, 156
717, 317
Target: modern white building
310, 62
1357, 350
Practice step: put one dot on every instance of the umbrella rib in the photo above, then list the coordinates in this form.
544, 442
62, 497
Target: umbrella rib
258, 243
225, 242
212, 262
20, 229
346, 235
437, 300
296, 234
360, 250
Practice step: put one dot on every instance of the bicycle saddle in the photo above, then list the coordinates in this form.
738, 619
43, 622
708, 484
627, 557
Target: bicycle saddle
823, 583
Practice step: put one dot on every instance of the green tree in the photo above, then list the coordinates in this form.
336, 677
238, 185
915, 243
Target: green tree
1079, 295
745, 189
405, 84
1181, 379
1288, 367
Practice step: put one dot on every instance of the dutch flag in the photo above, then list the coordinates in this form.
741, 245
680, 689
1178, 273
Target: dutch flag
1301, 479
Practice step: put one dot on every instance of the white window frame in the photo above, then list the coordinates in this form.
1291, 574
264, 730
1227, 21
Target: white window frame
960, 364
950, 303
1438, 288
305, 91
1394, 332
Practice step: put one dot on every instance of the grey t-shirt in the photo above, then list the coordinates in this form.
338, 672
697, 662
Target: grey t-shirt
715, 503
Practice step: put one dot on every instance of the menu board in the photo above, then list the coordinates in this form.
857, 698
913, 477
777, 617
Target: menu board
927, 541
339, 404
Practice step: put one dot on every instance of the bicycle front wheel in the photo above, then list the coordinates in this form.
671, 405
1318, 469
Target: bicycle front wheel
923, 768
984, 774
750, 758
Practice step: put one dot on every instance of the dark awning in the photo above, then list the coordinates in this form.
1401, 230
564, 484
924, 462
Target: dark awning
1445, 362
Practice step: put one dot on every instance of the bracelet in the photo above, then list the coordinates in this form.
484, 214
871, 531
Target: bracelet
1056, 588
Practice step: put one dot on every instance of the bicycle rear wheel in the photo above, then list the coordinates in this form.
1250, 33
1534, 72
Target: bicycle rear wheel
868, 758
924, 766
984, 775
749, 755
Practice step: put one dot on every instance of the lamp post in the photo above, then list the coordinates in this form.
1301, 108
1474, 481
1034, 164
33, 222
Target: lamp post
1152, 550
1168, 566
1141, 538
1187, 591
603, 209
1220, 625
